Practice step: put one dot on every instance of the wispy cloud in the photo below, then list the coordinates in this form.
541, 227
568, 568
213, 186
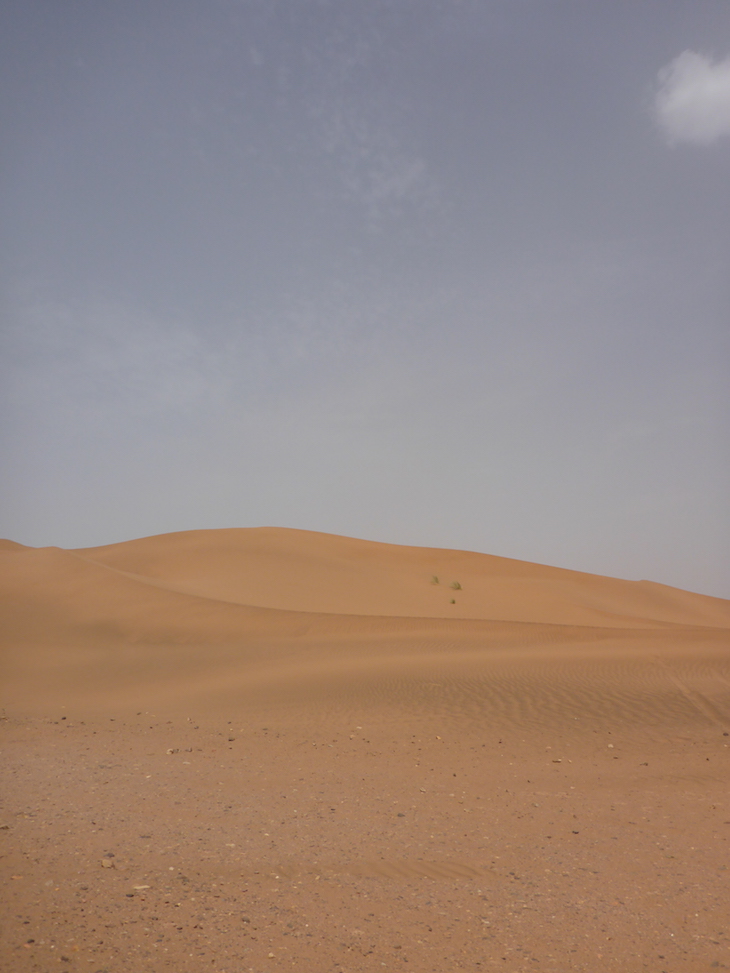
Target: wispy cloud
374, 169
692, 102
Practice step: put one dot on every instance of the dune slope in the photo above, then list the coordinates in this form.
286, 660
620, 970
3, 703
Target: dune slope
227, 613
304, 571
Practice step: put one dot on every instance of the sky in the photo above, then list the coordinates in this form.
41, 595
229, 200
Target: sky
450, 273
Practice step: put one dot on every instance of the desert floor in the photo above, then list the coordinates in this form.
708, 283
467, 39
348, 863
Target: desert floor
199, 774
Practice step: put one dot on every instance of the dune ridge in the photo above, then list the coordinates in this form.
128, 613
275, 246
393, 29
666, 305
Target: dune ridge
305, 571
199, 612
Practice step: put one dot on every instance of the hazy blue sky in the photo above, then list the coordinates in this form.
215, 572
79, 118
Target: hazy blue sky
436, 272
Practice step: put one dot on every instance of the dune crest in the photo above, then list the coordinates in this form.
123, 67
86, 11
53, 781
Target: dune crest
306, 571
226, 614
222, 585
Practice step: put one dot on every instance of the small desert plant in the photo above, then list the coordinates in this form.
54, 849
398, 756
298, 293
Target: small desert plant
456, 586
453, 601
434, 580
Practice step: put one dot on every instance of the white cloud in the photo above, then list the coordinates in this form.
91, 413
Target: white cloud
692, 102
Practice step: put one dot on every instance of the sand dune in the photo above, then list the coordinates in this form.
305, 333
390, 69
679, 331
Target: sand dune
312, 573
307, 613
297, 570
277, 749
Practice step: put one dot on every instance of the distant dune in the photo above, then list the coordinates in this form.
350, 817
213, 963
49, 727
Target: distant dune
303, 571
253, 594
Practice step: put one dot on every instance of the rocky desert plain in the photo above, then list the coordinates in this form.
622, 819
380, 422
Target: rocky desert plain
265, 749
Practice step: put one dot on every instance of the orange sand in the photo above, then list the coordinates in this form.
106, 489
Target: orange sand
303, 753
